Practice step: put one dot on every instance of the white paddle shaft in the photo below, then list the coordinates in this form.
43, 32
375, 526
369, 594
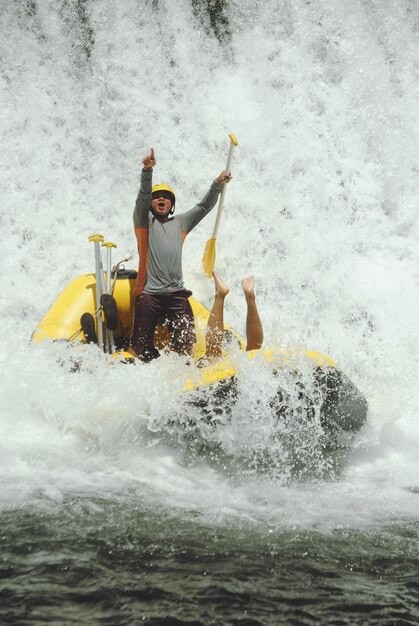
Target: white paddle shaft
223, 193
99, 285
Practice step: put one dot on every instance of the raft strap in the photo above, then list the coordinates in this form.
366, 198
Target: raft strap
110, 310
88, 325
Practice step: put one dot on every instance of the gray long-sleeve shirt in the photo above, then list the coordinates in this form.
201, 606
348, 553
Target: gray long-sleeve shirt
160, 243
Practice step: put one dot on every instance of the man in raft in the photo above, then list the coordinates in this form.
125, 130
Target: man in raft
159, 289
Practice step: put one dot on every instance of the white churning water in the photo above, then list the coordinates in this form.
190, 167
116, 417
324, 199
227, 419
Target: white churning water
323, 101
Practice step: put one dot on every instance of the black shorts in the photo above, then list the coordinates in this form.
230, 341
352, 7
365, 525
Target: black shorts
172, 310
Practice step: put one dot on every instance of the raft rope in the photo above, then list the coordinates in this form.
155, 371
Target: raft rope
116, 269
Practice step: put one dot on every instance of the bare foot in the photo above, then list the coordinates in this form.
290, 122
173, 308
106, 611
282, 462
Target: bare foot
248, 285
220, 288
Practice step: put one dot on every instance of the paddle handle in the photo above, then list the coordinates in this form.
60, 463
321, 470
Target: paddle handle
233, 143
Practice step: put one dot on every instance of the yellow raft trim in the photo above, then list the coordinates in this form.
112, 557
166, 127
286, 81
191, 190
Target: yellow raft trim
227, 366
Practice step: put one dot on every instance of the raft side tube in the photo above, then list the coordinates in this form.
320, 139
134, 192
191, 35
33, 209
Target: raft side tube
344, 407
62, 319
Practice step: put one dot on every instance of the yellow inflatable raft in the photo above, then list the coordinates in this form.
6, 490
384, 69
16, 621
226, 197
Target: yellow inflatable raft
343, 403
62, 322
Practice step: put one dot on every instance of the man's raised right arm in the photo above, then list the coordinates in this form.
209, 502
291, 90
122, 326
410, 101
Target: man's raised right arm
142, 204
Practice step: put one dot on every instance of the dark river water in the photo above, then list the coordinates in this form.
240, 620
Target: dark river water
104, 562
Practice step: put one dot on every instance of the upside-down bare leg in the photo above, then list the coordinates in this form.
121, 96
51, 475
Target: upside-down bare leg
254, 330
215, 327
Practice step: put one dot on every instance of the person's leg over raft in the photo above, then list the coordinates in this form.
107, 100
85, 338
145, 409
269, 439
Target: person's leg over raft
254, 330
215, 326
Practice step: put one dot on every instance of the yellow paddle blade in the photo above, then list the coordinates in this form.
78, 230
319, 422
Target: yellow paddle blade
208, 260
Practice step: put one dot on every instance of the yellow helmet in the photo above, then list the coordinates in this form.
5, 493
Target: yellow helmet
163, 187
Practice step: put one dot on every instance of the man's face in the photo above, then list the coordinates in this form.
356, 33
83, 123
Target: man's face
162, 202
161, 206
